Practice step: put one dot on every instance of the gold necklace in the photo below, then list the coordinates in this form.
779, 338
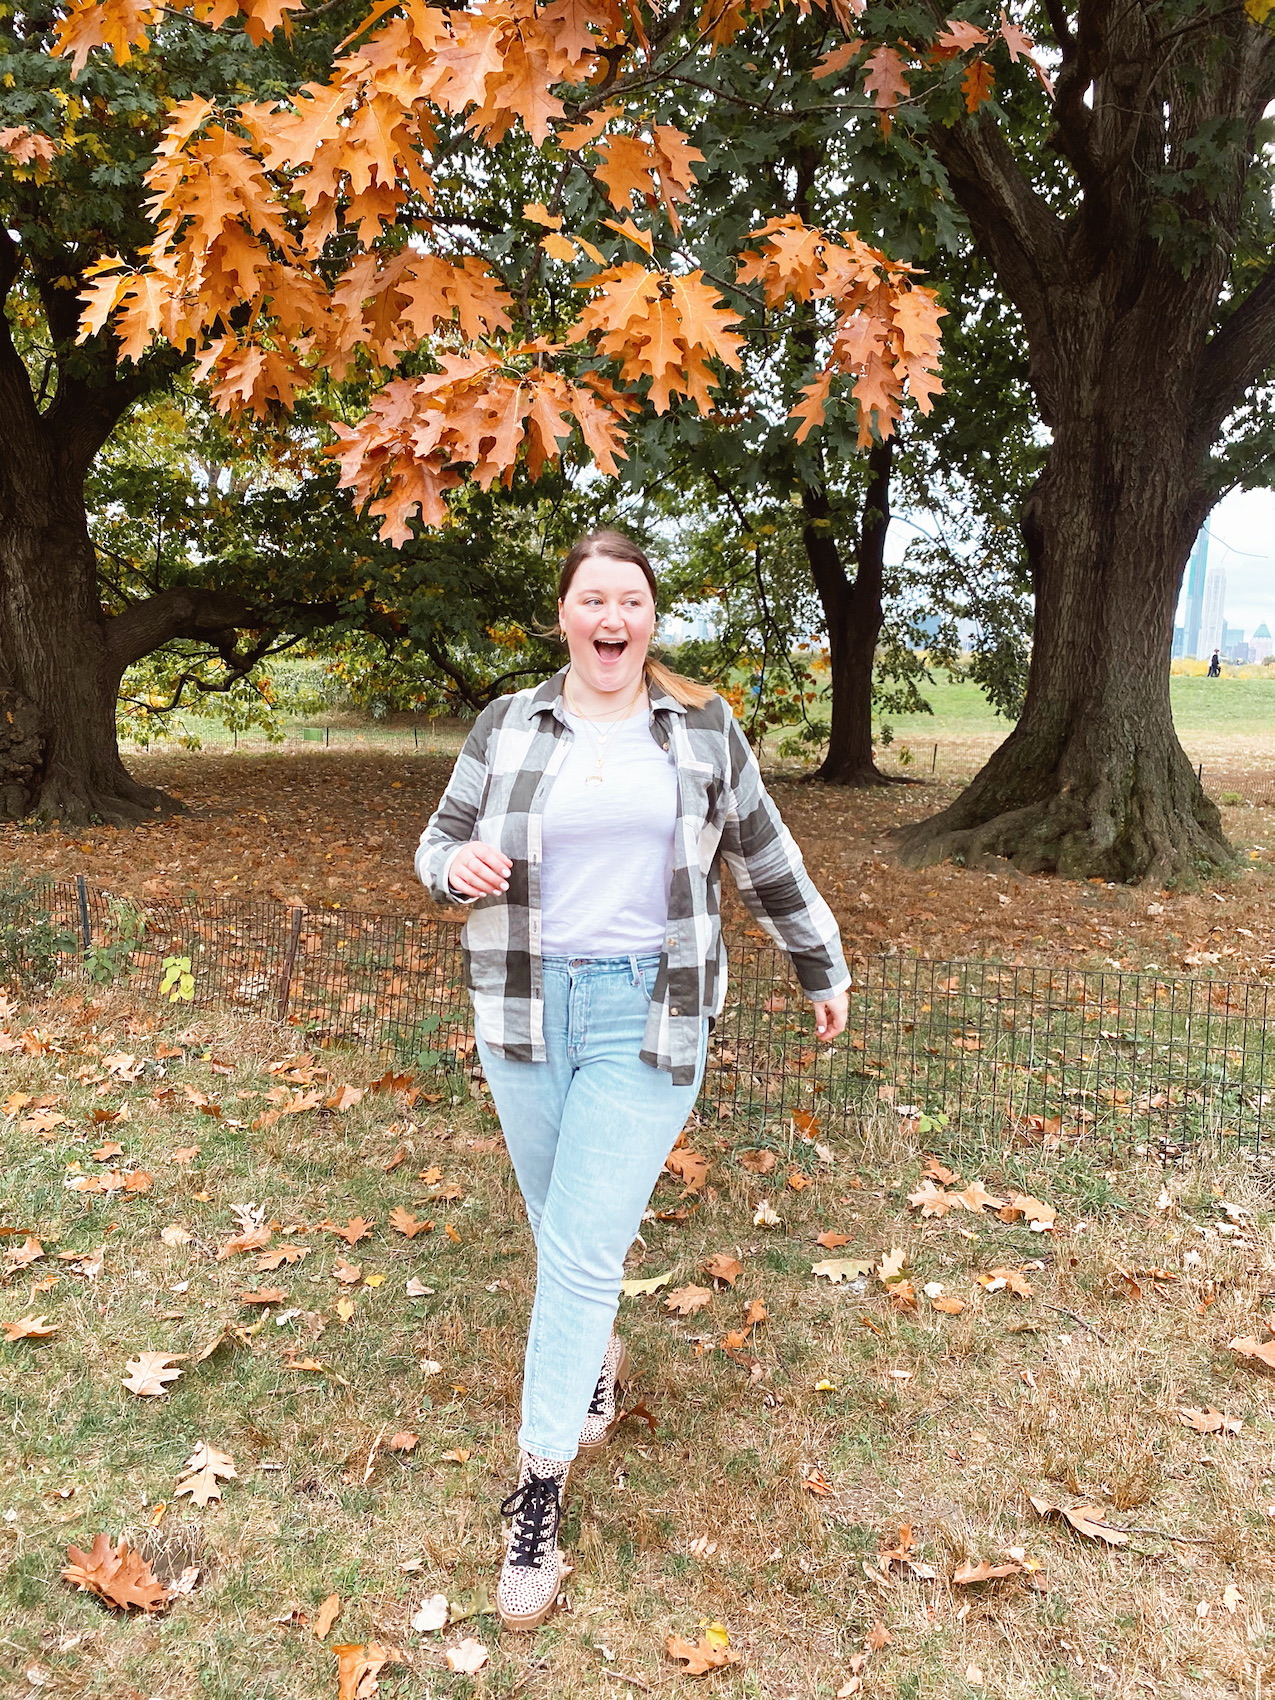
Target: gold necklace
598, 738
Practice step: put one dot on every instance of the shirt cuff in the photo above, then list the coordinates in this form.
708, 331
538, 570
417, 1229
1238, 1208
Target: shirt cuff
446, 877
834, 992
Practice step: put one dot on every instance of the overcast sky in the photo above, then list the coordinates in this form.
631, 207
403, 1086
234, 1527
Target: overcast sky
1241, 532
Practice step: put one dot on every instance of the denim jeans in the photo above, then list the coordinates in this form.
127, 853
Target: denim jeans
588, 1130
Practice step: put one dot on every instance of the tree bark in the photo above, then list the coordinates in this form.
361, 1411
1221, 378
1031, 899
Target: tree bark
1092, 781
853, 615
61, 656
1134, 376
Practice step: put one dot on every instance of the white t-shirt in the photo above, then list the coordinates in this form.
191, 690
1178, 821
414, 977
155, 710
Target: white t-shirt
608, 849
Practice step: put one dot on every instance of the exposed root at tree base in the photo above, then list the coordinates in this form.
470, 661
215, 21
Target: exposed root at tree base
65, 803
1054, 836
859, 778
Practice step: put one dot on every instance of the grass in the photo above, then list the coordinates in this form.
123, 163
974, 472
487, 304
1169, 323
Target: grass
909, 1416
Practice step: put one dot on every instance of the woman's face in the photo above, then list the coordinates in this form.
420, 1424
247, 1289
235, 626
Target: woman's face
608, 618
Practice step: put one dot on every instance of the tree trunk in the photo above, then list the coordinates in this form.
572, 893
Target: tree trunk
853, 615
1140, 347
59, 674
1092, 782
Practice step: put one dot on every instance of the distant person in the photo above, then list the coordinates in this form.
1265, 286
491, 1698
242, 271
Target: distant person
587, 820
1215, 666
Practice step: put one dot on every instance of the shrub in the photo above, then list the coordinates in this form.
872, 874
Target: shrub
31, 944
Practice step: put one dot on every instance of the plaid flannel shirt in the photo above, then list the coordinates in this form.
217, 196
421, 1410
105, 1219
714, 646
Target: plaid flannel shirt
497, 794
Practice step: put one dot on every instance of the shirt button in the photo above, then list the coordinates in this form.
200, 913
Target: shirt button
675, 1012
671, 941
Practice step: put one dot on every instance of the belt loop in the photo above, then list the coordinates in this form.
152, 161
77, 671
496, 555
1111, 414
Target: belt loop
633, 968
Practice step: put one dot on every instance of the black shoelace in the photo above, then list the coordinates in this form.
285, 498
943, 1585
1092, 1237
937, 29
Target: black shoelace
536, 1510
598, 1400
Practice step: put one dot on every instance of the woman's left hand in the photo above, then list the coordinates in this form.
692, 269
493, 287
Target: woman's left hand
830, 1016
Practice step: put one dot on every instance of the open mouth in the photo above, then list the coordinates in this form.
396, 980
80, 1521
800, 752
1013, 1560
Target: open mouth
610, 649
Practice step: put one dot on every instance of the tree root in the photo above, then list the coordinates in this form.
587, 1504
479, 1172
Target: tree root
1154, 847
68, 802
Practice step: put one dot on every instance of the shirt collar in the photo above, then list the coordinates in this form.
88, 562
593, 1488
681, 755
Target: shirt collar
548, 696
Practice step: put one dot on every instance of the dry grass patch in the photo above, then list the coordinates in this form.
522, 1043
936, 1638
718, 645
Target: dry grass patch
815, 1484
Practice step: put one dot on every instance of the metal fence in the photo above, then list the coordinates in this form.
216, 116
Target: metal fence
1048, 1053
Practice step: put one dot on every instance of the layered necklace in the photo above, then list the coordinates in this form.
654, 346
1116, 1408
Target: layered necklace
600, 737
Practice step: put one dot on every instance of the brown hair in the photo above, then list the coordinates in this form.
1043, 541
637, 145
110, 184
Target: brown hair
617, 547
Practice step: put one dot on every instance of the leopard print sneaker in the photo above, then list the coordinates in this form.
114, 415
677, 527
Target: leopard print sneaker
604, 1415
532, 1571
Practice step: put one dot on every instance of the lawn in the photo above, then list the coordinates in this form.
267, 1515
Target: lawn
819, 1483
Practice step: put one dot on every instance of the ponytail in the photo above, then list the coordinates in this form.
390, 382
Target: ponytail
689, 692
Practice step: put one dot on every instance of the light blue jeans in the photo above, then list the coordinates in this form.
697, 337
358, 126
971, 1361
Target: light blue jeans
588, 1130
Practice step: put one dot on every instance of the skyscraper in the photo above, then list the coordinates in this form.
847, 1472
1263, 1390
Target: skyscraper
1213, 618
1196, 572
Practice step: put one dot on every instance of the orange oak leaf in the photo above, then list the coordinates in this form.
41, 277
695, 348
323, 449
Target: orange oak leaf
116, 1574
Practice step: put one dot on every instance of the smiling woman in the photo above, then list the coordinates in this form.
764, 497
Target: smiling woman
586, 822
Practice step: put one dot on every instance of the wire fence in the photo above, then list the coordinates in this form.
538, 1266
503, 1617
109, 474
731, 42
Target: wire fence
1048, 1053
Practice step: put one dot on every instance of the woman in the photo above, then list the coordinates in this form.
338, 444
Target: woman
586, 821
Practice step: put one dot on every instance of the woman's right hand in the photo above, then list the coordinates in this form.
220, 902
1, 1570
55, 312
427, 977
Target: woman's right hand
479, 871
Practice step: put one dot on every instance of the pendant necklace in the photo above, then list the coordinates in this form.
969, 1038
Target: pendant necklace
599, 739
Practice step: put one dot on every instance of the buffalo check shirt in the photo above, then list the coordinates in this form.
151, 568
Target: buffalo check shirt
497, 794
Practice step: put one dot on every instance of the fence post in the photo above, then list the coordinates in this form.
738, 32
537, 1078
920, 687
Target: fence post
1199, 774
416, 735
327, 736
934, 759
289, 960
86, 926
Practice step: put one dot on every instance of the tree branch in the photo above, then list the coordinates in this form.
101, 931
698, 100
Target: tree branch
183, 613
1238, 354
1020, 234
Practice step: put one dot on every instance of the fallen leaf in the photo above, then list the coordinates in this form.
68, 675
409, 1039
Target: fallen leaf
935, 1171
931, 1200
22, 1256
346, 1272
326, 1616
279, 1255
29, 1328
1209, 1422
262, 1296
344, 1098
831, 1241
1090, 1520
838, 1269
252, 1240
404, 1441
1001, 1278
890, 1267
403, 1222
469, 1656
877, 1637
949, 1306
701, 1656
976, 1197
176, 1235
1040, 1218
765, 1215
357, 1668
431, 1614
117, 1575
147, 1373
636, 1288
687, 1300
758, 1162
356, 1229
981, 1571
723, 1267
1257, 1354
689, 1166
199, 1477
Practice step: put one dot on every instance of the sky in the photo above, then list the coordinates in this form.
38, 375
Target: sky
1241, 532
